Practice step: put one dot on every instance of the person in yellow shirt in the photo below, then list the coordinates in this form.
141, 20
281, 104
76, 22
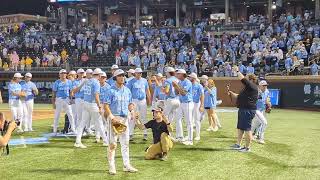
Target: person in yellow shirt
16, 28
29, 62
0, 62
5, 66
22, 64
64, 55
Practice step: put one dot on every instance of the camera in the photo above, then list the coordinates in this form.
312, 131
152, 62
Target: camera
7, 123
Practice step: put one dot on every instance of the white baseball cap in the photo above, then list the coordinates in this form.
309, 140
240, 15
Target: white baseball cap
193, 75
118, 72
97, 71
263, 83
103, 74
131, 71
17, 75
181, 71
72, 73
80, 71
113, 67
170, 69
28, 75
89, 71
62, 71
204, 77
159, 75
138, 70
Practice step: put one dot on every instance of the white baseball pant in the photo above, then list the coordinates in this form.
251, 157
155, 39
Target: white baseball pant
16, 110
27, 114
91, 112
79, 107
113, 139
104, 128
196, 117
141, 108
62, 105
259, 123
170, 108
185, 110
74, 113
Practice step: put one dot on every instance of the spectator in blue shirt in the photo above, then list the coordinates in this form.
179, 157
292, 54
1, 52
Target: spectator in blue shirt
314, 68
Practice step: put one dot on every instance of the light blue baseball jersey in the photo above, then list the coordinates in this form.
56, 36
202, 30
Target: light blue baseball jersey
138, 88
210, 99
168, 83
129, 79
186, 85
197, 90
28, 87
104, 90
76, 83
14, 88
62, 89
91, 88
262, 98
158, 93
111, 82
119, 100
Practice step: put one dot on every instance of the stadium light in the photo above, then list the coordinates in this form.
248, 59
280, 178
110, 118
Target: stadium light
83, 20
274, 7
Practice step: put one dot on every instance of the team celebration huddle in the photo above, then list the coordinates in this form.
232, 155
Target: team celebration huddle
111, 109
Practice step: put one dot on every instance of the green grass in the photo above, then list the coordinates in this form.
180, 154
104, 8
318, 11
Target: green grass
291, 152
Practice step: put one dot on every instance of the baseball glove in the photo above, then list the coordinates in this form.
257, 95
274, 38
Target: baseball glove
119, 128
268, 108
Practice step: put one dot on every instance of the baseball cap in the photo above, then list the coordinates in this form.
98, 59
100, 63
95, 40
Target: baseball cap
204, 77
181, 71
193, 75
80, 71
159, 75
28, 75
97, 71
89, 71
62, 71
118, 72
138, 70
170, 69
72, 73
103, 74
263, 83
17, 75
157, 108
113, 67
131, 71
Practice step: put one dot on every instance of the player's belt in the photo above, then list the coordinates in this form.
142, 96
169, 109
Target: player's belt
17, 98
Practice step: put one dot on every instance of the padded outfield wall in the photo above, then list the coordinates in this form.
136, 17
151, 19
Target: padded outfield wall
299, 92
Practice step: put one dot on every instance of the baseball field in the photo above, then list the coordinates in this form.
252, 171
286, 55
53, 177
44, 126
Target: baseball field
291, 152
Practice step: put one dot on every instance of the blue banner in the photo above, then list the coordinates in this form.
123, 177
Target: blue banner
274, 96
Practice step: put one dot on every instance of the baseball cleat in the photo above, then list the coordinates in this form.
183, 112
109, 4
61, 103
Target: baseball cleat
129, 168
112, 170
197, 138
80, 145
105, 144
260, 141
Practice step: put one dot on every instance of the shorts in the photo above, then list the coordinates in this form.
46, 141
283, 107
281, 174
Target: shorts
245, 117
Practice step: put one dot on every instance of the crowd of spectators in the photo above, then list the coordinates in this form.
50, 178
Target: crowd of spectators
290, 45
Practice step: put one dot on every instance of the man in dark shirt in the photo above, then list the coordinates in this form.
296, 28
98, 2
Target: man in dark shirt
160, 130
246, 102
